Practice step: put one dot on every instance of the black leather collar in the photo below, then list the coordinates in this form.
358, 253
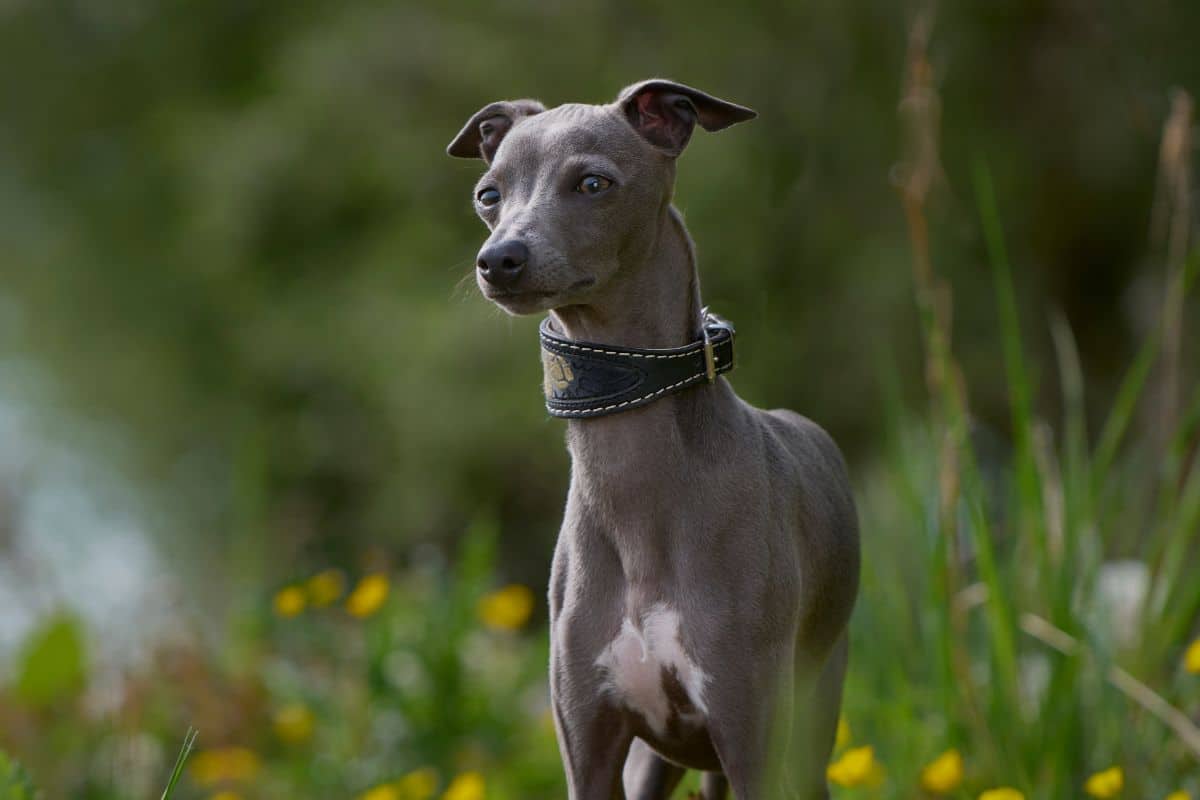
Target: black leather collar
583, 379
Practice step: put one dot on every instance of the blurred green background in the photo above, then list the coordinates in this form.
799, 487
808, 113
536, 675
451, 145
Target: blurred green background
240, 345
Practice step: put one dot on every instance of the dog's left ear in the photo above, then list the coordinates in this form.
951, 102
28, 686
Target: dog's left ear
665, 112
484, 131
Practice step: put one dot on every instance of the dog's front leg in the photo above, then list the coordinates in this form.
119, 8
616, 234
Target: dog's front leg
818, 703
751, 728
593, 736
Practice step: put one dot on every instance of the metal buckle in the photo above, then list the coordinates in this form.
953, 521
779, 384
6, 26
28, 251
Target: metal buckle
710, 320
710, 363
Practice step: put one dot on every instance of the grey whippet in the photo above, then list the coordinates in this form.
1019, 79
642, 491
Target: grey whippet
708, 559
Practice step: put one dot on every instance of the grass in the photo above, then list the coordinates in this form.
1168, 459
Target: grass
985, 624
185, 750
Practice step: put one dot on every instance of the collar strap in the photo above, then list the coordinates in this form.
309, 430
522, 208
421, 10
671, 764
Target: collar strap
583, 379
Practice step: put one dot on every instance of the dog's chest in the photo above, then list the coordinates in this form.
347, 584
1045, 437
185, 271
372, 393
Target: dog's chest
646, 669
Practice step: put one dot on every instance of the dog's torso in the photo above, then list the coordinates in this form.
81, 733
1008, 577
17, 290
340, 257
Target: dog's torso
705, 548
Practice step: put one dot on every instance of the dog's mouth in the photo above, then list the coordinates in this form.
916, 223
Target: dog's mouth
529, 297
492, 293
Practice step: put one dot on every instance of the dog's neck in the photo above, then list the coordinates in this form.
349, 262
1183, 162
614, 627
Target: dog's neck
655, 303
653, 300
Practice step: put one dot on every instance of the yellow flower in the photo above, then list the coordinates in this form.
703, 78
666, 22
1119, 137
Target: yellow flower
294, 723
223, 764
944, 773
418, 785
856, 767
1191, 659
467, 786
384, 791
325, 587
507, 609
289, 601
226, 796
368, 595
1108, 783
843, 734
1179, 796
1003, 793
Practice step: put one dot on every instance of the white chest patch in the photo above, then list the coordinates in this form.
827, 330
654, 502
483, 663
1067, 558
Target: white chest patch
647, 670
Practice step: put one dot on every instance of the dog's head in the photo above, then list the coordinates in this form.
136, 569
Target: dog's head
571, 191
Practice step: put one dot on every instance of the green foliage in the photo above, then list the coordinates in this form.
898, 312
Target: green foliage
177, 771
53, 663
15, 783
1029, 686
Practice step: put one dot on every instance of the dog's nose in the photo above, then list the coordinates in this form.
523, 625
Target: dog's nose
501, 263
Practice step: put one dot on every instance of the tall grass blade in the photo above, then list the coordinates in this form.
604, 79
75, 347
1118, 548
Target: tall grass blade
1131, 388
1017, 372
189, 740
1119, 418
1078, 513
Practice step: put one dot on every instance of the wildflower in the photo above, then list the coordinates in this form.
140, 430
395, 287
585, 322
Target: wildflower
289, 601
294, 723
856, 767
1191, 659
1179, 796
1003, 793
508, 608
225, 764
1108, 783
325, 587
944, 773
368, 596
384, 791
418, 785
226, 796
843, 734
466, 786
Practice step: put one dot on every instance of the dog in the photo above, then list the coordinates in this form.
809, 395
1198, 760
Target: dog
708, 560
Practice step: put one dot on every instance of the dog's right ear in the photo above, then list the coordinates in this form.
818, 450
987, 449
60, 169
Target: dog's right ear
665, 112
482, 134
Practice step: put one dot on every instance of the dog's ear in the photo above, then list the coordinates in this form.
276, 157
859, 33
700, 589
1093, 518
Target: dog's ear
484, 131
665, 112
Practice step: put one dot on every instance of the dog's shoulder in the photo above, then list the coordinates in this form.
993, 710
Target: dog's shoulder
814, 450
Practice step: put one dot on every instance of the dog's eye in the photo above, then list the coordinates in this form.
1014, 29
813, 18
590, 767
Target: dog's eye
593, 184
488, 197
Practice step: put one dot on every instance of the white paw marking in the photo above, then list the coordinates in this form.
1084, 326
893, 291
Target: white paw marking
634, 662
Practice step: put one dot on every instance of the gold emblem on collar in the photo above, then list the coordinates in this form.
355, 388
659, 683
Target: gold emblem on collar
557, 372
